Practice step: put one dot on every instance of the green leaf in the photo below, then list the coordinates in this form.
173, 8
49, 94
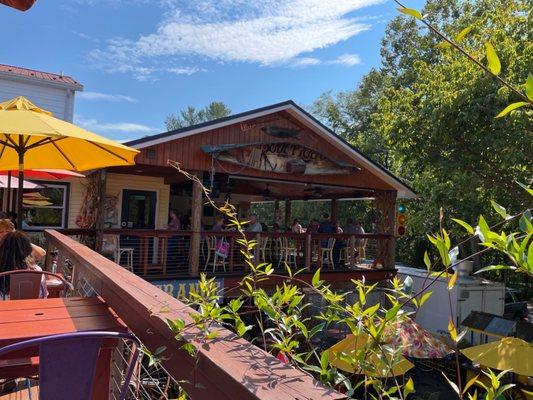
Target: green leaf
526, 188
427, 261
408, 388
529, 86
499, 209
511, 107
424, 298
316, 278
461, 35
494, 268
493, 61
391, 313
465, 225
411, 12
324, 360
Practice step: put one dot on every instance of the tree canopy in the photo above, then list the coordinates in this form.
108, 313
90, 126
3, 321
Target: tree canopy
192, 116
429, 115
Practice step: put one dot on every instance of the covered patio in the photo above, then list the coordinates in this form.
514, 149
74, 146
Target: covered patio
278, 154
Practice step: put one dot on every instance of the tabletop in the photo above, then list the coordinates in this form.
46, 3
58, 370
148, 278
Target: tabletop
26, 319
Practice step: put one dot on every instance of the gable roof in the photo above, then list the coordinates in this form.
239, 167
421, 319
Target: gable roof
404, 190
45, 77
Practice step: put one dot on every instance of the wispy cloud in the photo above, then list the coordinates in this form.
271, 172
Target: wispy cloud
105, 97
348, 60
269, 33
114, 129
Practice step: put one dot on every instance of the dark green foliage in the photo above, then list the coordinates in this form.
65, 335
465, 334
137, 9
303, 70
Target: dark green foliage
429, 114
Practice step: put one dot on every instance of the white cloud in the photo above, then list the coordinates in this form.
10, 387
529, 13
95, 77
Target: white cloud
270, 32
114, 129
105, 97
348, 60
305, 62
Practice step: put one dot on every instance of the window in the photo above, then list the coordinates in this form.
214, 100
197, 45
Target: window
47, 207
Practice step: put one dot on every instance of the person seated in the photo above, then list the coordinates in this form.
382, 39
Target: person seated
254, 225
314, 226
219, 224
296, 226
7, 226
16, 253
174, 223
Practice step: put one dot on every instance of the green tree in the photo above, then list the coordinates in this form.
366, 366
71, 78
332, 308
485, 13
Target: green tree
434, 114
192, 116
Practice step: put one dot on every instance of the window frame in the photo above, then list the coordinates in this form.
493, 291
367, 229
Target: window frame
66, 206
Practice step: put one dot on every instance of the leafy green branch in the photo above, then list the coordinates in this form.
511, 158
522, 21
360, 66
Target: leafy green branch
493, 67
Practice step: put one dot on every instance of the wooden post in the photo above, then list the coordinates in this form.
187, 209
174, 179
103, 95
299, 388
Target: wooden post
197, 206
287, 214
351, 251
100, 213
257, 249
385, 201
308, 252
334, 210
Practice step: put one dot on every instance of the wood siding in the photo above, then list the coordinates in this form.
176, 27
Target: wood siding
114, 185
187, 151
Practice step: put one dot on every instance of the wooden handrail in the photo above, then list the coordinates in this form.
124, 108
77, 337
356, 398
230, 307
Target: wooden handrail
227, 367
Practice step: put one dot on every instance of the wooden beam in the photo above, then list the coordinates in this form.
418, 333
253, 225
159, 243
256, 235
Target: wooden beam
100, 212
288, 214
227, 367
385, 201
196, 226
334, 210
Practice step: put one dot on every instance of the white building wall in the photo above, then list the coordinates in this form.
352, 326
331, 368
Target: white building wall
60, 101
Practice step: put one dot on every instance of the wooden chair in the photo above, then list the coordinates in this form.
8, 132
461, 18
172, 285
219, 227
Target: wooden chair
288, 252
265, 247
113, 241
326, 253
27, 284
212, 242
361, 250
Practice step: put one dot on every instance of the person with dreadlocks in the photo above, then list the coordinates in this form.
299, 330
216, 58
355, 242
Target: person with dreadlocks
16, 253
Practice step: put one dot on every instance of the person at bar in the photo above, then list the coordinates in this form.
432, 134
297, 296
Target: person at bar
16, 253
219, 224
7, 226
296, 226
254, 225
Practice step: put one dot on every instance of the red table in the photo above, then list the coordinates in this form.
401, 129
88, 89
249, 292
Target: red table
27, 319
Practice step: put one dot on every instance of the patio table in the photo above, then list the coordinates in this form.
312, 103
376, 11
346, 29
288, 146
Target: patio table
29, 319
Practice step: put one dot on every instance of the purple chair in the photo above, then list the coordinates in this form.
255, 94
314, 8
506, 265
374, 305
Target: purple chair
67, 363
27, 284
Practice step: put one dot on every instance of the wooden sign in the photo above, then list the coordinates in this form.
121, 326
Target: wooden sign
279, 157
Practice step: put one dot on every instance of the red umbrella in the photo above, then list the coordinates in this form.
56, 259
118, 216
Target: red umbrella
50, 174
47, 174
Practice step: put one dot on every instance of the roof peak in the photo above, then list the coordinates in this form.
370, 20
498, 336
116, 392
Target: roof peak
40, 75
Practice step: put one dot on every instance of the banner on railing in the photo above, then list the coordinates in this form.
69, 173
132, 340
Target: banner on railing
180, 288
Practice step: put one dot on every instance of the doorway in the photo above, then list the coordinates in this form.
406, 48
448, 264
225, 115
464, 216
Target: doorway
138, 209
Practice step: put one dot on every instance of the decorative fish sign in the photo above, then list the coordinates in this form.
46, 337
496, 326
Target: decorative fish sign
280, 132
279, 157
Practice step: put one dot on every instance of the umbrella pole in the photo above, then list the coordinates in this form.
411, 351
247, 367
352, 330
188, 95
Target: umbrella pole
8, 206
20, 193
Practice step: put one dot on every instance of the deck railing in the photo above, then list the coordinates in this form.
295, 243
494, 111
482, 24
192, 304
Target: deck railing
227, 367
163, 253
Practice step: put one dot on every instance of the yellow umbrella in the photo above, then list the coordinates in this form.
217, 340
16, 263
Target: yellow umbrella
507, 353
350, 344
31, 138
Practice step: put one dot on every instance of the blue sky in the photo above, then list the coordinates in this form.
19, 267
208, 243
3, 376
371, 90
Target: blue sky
140, 60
